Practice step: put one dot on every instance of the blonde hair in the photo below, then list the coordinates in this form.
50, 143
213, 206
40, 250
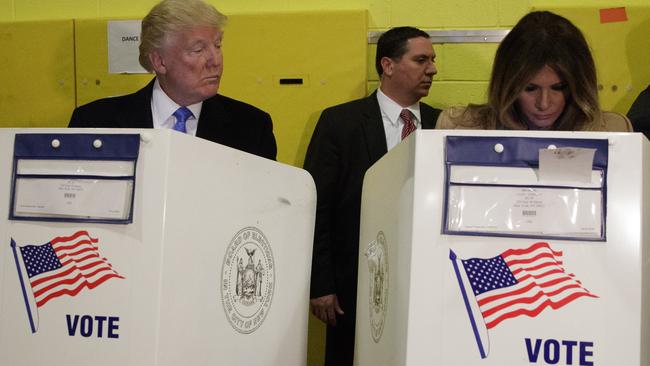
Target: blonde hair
541, 38
171, 17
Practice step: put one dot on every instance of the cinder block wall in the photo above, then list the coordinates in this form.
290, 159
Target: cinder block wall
464, 69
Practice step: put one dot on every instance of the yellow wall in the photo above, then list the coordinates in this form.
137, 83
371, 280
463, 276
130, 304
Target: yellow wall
382, 13
463, 69
36, 82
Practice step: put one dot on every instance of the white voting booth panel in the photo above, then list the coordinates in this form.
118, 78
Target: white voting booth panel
411, 309
213, 270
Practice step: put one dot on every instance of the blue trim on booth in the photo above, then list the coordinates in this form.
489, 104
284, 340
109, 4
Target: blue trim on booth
517, 152
522, 152
77, 146
74, 146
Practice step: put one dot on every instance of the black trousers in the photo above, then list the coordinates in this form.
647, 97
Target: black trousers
339, 346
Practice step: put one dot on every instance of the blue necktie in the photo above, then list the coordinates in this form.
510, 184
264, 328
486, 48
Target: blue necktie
182, 114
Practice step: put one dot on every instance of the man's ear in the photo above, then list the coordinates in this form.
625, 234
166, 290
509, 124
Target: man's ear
386, 65
157, 62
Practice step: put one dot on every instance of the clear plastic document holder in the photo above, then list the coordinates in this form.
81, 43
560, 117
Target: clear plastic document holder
495, 187
74, 177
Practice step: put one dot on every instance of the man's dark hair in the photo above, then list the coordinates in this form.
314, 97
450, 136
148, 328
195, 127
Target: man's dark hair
392, 44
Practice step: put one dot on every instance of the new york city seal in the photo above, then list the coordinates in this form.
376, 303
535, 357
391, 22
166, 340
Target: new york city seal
247, 280
377, 256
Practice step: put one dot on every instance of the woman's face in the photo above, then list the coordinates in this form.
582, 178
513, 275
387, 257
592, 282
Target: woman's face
543, 99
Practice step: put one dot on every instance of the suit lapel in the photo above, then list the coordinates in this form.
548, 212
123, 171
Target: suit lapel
139, 115
213, 121
429, 116
373, 128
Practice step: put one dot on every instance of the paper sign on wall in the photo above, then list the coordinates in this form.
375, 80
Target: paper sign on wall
123, 43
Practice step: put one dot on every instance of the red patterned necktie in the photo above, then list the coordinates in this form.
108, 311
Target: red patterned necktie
409, 126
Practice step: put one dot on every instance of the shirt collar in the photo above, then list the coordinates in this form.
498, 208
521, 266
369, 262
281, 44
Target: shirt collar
165, 106
392, 110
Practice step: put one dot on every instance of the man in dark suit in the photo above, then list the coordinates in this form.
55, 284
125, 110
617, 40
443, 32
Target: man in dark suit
181, 43
639, 113
348, 139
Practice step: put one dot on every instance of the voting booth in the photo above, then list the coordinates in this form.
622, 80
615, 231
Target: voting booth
506, 248
150, 247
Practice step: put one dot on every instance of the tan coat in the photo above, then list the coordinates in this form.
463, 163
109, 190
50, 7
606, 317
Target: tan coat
454, 118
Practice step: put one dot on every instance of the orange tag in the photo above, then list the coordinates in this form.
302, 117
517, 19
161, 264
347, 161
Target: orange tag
612, 15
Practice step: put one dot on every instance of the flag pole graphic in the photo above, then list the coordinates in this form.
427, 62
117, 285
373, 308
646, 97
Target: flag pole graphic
22, 284
452, 257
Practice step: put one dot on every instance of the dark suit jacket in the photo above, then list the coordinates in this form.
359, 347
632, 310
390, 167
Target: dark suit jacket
347, 140
223, 120
639, 113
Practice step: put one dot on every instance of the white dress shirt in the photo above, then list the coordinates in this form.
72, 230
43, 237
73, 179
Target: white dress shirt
163, 108
393, 123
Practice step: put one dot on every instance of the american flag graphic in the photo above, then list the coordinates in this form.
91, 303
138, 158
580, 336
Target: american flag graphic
64, 266
517, 282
